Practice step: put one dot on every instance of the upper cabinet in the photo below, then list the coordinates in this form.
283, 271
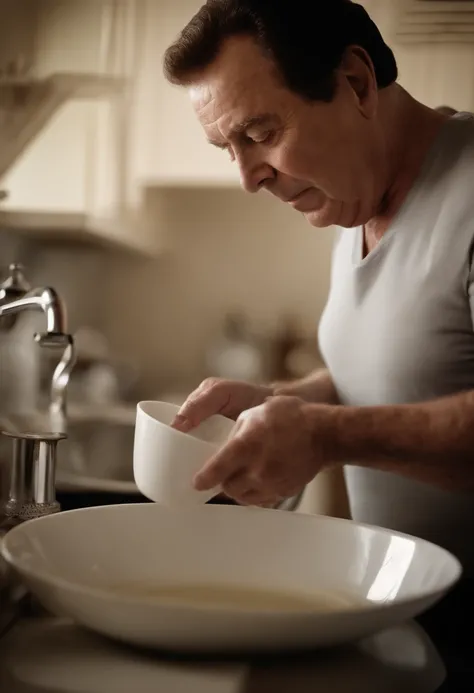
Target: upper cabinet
67, 106
168, 144
89, 124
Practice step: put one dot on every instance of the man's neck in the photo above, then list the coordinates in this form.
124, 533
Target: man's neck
411, 129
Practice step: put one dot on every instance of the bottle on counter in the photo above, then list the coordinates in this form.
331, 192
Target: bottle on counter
293, 355
235, 354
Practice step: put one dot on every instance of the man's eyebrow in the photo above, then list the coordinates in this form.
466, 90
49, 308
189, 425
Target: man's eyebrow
241, 128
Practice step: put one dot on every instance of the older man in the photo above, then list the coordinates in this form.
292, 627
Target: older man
304, 98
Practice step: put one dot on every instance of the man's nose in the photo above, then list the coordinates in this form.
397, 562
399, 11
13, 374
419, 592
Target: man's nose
254, 174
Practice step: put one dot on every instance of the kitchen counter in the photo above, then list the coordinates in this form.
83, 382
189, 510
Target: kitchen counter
431, 656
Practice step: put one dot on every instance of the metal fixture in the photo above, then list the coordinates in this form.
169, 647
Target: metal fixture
32, 481
17, 296
15, 286
32, 486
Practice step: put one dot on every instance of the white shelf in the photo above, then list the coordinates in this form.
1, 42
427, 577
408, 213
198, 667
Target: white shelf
80, 228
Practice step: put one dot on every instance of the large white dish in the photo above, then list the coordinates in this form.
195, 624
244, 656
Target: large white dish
69, 561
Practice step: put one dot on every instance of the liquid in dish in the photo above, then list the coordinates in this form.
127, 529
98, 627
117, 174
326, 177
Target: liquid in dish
237, 597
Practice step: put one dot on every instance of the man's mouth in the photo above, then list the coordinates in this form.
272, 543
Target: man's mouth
294, 200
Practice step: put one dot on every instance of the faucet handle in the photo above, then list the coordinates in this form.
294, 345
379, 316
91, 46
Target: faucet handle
13, 287
33, 476
16, 284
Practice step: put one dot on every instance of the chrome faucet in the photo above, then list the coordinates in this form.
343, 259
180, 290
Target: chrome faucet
17, 296
32, 480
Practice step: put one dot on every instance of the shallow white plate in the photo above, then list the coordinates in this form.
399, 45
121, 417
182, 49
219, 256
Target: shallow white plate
71, 560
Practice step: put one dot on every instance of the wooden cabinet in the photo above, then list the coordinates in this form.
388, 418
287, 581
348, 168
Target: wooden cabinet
86, 171
72, 176
168, 144
56, 174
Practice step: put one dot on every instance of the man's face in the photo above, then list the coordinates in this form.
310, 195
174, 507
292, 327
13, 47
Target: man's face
322, 158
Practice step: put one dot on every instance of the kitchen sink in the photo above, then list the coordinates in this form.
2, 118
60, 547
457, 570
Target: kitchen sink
97, 454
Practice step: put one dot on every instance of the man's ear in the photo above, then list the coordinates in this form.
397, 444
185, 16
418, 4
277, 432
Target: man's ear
357, 68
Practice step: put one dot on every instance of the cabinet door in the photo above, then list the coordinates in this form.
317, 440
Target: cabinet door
51, 175
74, 177
169, 146
71, 36
17, 34
57, 172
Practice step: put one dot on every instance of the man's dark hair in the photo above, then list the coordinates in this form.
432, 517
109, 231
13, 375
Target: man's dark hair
305, 38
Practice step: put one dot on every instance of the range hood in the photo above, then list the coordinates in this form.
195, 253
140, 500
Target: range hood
26, 106
436, 21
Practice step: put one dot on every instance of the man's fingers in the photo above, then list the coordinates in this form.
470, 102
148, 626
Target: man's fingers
240, 486
204, 402
235, 457
182, 423
247, 490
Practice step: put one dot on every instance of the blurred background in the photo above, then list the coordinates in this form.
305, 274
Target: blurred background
110, 194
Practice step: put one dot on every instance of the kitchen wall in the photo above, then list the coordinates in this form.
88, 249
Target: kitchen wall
228, 250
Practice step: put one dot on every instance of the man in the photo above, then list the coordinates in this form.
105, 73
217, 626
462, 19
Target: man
304, 98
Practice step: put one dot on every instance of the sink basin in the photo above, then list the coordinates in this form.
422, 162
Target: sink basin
97, 454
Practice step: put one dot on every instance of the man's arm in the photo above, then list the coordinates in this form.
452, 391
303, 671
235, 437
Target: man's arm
431, 441
318, 387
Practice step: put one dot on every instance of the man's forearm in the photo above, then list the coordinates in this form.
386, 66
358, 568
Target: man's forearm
318, 387
431, 441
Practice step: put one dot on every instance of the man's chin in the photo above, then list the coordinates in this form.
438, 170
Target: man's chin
320, 220
344, 216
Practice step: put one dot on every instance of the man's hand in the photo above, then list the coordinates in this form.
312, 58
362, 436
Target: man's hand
275, 451
215, 396
285, 441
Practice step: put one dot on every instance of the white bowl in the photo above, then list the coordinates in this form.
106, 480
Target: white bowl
73, 562
165, 460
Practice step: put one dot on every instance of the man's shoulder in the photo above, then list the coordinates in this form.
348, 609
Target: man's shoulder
450, 165
457, 143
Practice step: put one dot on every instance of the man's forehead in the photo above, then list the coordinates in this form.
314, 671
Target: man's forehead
239, 72
233, 95
231, 111
228, 93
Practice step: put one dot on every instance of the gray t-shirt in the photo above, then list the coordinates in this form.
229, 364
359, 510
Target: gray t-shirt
398, 328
